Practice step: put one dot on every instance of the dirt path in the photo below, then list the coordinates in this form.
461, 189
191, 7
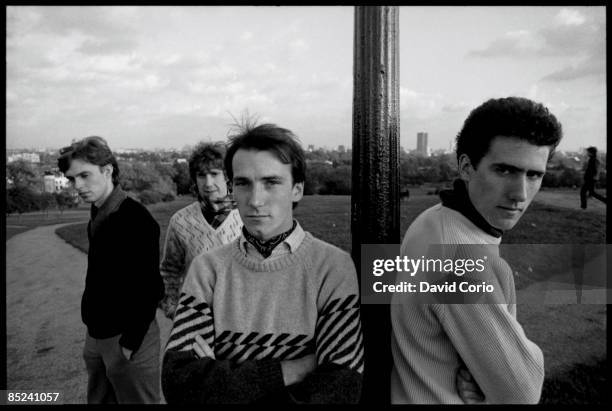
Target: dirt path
44, 282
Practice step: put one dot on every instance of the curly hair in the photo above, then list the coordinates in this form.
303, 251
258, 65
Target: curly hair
92, 149
511, 117
206, 156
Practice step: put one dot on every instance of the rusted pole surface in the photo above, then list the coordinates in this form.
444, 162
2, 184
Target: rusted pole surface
375, 179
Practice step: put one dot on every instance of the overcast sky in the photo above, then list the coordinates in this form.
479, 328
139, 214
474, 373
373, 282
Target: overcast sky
147, 77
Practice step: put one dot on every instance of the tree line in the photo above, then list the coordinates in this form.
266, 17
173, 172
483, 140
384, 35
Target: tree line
155, 177
148, 181
332, 175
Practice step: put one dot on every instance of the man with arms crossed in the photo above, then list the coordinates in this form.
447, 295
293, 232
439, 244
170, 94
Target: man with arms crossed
273, 316
203, 225
502, 153
123, 285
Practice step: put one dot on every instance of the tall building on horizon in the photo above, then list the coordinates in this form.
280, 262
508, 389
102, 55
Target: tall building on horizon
422, 147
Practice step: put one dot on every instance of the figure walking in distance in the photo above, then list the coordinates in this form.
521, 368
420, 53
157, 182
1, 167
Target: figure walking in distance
591, 176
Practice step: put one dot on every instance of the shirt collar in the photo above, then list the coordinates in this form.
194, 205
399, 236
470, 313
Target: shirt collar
99, 214
289, 245
216, 217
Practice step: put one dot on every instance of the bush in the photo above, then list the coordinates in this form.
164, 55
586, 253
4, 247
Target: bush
45, 200
570, 178
167, 197
324, 179
551, 179
181, 178
149, 197
21, 200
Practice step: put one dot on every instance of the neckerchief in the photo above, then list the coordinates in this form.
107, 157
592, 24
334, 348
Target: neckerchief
459, 200
265, 248
99, 214
216, 217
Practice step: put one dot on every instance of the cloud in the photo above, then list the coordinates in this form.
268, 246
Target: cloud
460, 107
97, 46
95, 21
513, 44
87, 30
572, 34
119, 73
569, 17
298, 47
580, 70
426, 106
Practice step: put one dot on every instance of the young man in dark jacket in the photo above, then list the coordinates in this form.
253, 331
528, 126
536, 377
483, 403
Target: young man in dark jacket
123, 285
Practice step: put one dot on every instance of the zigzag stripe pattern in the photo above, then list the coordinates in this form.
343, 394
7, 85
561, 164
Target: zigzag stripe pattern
338, 334
239, 347
190, 320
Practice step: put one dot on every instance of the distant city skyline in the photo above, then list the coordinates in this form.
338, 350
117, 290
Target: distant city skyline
169, 76
126, 150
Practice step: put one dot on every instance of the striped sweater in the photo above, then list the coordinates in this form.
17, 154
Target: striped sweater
188, 235
254, 313
431, 341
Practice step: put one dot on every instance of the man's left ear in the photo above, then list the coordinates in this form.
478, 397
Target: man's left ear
108, 170
465, 167
298, 191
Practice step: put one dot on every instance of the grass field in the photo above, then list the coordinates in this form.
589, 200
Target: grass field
572, 336
16, 224
328, 217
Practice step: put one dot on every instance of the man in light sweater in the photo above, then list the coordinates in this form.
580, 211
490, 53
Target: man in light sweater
502, 153
205, 224
272, 317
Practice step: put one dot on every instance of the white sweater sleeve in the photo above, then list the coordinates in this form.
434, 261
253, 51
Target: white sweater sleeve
508, 367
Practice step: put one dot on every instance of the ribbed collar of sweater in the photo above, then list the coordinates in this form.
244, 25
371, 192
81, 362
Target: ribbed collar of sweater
458, 199
99, 214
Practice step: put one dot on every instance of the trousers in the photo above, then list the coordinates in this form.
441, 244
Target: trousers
114, 379
588, 189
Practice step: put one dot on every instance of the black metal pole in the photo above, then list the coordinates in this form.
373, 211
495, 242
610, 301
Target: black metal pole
375, 175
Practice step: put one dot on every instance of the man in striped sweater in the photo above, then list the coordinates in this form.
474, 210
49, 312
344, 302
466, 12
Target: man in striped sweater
502, 153
272, 317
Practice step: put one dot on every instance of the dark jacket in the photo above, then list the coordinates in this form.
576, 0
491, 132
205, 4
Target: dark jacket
591, 171
123, 284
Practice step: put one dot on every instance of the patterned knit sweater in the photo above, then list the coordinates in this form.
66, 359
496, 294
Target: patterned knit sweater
188, 235
255, 313
431, 341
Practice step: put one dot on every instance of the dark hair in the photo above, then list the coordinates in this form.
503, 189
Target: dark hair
91, 149
206, 155
592, 150
269, 137
511, 117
